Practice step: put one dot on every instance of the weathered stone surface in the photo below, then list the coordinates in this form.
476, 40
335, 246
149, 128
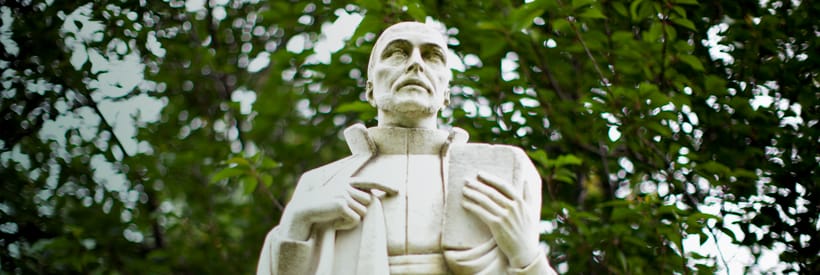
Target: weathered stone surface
411, 199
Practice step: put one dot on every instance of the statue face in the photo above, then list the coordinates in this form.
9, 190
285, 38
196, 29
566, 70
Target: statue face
408, 72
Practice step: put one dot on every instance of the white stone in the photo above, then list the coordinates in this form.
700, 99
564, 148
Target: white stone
411, 199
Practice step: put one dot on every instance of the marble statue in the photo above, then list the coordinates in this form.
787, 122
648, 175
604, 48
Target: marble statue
411, 199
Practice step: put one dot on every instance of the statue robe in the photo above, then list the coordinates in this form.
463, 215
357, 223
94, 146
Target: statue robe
464, 243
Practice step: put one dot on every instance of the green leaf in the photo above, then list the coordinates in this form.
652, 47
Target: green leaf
713, 167
623, 37
564, 175
715, 85
728, 232
365, 110
623, 213
249, 183
368, 25
685, 2
489, 26
660, 129
491, 46
654, 33
267, 180
592, 13
671, 34
692, 61
634, 9
697, 221
580, 3
702, 236
668, 115
371, 5
240, 161
669, 209
620, 8
743, 173
416, 11
683, 22
522, 17
268, 163
622, 260
568, 159
539, 156
679, 11
354, 107
658, 98
227, 173
587, 216
561, 25
647, 88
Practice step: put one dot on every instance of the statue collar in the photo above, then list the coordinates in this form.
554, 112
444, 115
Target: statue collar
397, 140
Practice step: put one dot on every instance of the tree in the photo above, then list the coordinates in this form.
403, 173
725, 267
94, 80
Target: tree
651, 122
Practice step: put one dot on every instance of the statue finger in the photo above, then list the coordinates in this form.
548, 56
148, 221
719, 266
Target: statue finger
483, 201
497, 183
357, 206
490, 192
348, 220
480, 212
359, 195
370, 185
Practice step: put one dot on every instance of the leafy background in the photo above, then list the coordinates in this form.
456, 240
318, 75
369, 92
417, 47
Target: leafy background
166, 136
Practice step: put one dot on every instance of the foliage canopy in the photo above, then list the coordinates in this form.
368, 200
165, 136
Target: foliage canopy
128, 144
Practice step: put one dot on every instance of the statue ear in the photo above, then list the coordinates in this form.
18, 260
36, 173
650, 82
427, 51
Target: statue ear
368, 90
447, 97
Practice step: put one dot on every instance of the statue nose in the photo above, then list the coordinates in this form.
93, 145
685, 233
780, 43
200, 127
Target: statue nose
415, 62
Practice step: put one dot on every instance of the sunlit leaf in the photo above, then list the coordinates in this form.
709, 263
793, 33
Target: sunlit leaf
227, 173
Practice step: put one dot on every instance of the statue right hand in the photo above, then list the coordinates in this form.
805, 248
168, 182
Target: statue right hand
339, 207
325, 206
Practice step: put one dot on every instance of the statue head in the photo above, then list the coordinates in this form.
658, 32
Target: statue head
407, 77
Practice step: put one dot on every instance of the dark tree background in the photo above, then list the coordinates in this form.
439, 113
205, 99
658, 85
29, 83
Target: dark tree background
652, 123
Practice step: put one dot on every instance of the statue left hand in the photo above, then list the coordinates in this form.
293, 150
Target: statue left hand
506, 214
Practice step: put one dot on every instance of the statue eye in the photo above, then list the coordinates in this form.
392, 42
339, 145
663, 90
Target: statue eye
396, 52
435, 56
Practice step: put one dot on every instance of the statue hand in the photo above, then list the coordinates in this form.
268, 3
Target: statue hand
506, 214
340, 208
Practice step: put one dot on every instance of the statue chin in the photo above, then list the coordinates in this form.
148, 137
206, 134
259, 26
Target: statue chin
409, 107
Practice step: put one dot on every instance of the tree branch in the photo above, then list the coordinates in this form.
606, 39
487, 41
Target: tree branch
610, 190
661, 81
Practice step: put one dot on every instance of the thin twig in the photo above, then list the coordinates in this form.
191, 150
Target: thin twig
610, 56
588, 52
683, 254
717, 244
605, 162
91, 103
542, 64
266, 190
663, 52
